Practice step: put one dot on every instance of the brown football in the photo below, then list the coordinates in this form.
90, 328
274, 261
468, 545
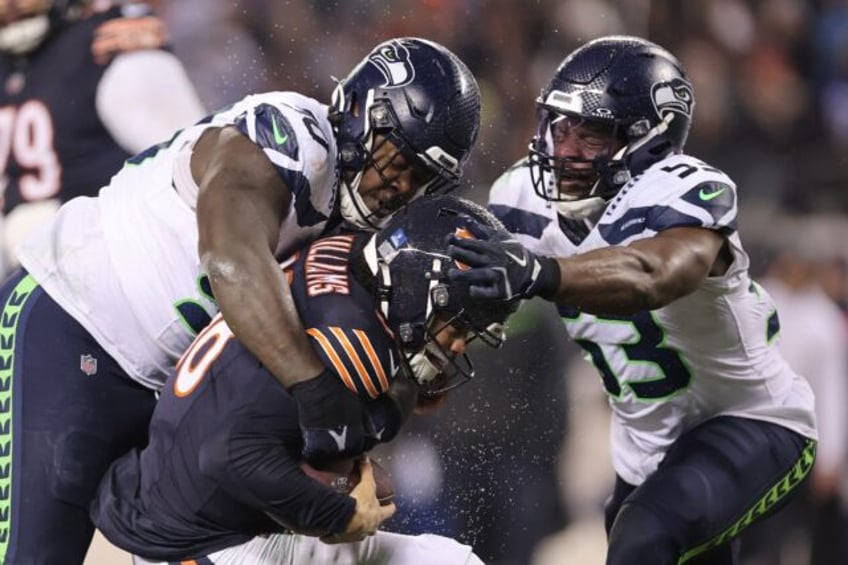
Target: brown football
343, 475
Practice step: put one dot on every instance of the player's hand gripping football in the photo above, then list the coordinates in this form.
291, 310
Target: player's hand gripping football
332, 418
499, 267
369, 513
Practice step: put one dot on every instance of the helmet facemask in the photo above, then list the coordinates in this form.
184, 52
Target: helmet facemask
617, 148
434, 368
418, 324
595, 141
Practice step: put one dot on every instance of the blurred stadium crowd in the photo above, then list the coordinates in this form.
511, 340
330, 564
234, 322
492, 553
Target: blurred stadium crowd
517, 465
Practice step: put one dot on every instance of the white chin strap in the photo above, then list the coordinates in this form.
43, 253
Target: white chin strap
25, 35
422, 366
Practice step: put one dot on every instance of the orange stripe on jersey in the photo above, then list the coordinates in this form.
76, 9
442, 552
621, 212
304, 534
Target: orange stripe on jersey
334, 358
365, 341
364, 376
189, 562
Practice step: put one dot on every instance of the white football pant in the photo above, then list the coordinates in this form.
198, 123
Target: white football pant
379, 549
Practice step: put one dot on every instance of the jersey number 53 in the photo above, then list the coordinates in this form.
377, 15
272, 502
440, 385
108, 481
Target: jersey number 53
647, 348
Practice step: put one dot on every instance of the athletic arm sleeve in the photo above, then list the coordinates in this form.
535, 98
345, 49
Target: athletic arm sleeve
249, 457
144, 97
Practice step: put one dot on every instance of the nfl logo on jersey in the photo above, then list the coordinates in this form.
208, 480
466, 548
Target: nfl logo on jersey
88, 364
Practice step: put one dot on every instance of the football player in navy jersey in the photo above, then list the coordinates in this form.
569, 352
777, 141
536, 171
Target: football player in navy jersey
80, 91
636, 243
223, 462
115, 287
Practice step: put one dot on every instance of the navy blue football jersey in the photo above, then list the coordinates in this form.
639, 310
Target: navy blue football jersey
52, 142
222, 464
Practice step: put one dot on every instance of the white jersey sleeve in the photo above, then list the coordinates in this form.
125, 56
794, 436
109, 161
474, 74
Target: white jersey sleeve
125, 264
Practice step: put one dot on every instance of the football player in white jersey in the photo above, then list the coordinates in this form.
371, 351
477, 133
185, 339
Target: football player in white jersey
115, 288
636, 243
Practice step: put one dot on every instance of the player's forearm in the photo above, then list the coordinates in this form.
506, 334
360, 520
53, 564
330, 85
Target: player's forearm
241, 204
616, 281
256, 302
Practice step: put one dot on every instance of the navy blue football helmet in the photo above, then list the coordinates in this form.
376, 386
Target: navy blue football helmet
25, 29
423, 99
410, 262
630, 88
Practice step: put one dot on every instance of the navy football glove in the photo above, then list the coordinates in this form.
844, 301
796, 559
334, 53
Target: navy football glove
389, 412
332, 418
500, 267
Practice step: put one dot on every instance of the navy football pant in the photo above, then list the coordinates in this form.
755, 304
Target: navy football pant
66, 411
717, 479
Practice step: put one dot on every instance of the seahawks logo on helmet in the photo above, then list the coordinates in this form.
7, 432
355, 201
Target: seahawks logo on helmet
674, 96
393, 62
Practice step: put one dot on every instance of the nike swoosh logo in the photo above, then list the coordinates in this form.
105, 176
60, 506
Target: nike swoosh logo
710, 195
340, 439
278, 139
521, 261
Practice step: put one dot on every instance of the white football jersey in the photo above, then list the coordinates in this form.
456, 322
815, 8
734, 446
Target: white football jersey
712, 352
125, 264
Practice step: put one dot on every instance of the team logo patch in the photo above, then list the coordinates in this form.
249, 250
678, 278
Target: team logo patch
398, 238
674, 96
88, 364
389, 249
274, 131
393, 62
